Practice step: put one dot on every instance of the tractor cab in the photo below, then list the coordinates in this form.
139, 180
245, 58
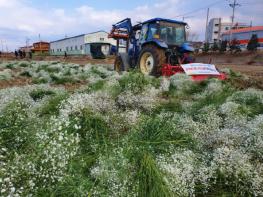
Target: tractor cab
164, 32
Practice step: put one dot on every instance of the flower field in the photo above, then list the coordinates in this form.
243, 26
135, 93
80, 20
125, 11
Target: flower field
127, 135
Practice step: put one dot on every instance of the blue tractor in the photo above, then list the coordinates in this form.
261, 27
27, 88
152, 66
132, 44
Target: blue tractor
155, 46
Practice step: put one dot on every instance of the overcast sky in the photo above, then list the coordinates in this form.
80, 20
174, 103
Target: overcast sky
55, 19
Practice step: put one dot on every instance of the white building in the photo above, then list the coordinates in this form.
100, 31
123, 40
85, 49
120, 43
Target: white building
216, 28
98, 41
72, 46
84, 44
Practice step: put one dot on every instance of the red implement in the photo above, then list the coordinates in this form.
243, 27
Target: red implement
169, 70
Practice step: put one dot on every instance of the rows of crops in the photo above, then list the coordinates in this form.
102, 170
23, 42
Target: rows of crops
127, 135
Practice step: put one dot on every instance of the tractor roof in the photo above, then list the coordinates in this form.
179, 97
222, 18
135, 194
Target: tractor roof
165, 20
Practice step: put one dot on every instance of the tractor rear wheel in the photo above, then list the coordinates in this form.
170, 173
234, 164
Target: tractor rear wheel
151, 60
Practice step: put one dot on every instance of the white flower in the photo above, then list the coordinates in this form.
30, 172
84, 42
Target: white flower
13, 190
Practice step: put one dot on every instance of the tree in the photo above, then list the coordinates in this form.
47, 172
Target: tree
235, 46
223, 46
253, 43
215, 46
206, 47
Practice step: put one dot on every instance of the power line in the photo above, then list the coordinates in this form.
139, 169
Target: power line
199, 9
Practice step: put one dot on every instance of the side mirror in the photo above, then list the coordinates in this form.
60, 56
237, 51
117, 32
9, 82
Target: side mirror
138, 35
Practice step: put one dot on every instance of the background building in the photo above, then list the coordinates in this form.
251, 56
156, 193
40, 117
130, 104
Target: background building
216, 28
41, 47
85, 44
98, 41
72, 46
244, 35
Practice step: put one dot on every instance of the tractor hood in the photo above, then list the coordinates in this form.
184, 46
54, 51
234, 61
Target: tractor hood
186, 47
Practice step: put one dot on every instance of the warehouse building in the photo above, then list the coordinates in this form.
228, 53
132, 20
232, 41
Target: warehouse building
72, 46
98, 41
92, 44
244, 35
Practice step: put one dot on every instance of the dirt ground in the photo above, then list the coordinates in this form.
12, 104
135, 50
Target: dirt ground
250, 64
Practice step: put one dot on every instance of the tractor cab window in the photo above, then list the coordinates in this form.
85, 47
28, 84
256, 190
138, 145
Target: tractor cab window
153, 31
172, 34
144, 33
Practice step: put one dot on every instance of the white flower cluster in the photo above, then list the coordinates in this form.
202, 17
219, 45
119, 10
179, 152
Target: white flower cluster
183, 170
47, 72
181, 82
114, 172
226, 135
23, 93
165, 84
236, 168
146, 100
28, 172
97, 102
247, 96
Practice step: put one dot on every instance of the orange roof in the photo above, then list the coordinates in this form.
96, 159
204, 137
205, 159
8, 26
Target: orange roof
246, 29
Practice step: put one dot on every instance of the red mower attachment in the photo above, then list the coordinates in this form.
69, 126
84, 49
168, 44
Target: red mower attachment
198, 72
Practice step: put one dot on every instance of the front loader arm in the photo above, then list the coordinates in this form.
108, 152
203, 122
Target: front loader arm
121, 30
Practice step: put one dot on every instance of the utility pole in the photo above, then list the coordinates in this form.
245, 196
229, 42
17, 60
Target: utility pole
2, 45
27, 44
206, 29
40, 42
233, 6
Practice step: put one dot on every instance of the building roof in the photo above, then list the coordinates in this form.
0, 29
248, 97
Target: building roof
246, 29
78, 36
68, 38
41, 42
97, 32
163, 19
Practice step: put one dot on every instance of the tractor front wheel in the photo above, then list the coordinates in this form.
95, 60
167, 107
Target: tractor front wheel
118, 64
151, 60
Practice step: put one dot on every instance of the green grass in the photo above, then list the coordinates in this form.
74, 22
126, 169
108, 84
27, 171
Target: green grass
137, 82
94, 130
63, 79
15, 127
51, 107
10, 66
39, 94
24, 65
39, 80
157, 135
96, 86
151, 179
215, 99
26, 74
